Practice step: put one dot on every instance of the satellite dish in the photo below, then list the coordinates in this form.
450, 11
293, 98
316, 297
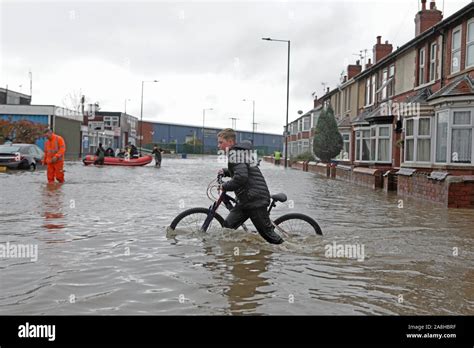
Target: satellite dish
300, 112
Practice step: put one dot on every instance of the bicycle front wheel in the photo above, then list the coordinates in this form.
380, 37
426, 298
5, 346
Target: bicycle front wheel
193, 219
295, 224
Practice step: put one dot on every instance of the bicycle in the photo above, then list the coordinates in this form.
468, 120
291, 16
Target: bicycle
202, 219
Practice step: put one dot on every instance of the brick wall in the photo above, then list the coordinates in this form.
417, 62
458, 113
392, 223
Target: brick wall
319, 168
298, 165
419, 186
343, 174
461, 192
367, 177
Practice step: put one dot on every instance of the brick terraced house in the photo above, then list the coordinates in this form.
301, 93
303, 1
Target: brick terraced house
407, 116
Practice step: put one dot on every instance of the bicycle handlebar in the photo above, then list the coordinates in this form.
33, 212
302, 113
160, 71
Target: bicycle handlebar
219, 178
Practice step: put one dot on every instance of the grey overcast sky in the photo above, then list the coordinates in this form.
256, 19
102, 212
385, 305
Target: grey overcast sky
204, 54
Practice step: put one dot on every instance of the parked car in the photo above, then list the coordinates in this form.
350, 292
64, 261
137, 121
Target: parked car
20, 156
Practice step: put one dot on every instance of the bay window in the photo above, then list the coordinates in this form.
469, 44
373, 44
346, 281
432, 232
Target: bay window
409, 140
423, 143
344, 154
461, 137
418, 139
454, 142
373, 144
442, 136
383, 147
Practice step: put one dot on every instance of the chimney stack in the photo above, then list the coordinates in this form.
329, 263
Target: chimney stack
316, 101
353, 70
369, 64
381, 50
427, 18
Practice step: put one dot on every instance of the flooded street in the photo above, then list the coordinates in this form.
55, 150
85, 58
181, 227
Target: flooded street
104, 248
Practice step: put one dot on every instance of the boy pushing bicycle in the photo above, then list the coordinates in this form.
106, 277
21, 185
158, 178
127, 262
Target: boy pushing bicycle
248, 183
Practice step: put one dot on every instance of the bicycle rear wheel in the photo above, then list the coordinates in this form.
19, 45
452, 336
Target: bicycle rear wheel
295, 224
193, 219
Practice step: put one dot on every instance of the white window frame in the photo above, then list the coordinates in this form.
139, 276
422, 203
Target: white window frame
308, 123
454, 51
449, 136
341, 154
305, 145
391, 76
384, 83
409, 137
433, 57
373, 83
314, 119
469, 43
373, 158
347, 99
367, 92
416, 136
421, 66
384, 137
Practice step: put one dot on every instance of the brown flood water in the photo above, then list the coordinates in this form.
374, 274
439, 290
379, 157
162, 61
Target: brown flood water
103, 248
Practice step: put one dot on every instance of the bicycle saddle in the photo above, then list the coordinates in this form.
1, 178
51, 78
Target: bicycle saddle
279, 197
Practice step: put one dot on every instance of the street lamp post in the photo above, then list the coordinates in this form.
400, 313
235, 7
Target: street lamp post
203, 120
253, 120
126, 105
287, 96
234, 123
141, 117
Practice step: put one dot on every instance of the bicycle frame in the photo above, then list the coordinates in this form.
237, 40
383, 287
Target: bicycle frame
227, 200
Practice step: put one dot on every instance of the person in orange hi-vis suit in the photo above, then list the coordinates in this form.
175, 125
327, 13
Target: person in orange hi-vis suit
54, 150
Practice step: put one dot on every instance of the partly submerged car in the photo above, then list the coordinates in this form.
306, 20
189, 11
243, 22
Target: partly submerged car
20, 156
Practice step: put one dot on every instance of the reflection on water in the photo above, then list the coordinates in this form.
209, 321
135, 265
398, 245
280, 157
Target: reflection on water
53, 202
244, 274
102, 238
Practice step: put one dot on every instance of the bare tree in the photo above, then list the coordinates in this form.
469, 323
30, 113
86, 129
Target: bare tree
72, 100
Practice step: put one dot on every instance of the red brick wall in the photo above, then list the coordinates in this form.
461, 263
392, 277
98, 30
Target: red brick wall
368, 180
297, 165
147, 129
461, 195
419, 186
319, 169
345, 175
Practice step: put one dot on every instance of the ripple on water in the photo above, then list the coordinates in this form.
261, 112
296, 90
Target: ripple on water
104, 248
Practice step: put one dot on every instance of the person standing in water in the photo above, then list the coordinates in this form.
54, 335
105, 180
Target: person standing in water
100, 153
54, 151
157, 152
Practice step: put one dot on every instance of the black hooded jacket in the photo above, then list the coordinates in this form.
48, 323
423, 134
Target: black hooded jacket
247, 181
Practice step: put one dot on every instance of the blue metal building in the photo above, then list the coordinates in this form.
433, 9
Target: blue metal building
166, 133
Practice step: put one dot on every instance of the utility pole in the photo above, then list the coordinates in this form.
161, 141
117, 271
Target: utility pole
234, 122
31, 85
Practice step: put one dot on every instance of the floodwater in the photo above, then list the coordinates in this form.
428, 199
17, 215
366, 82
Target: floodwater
103, 248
